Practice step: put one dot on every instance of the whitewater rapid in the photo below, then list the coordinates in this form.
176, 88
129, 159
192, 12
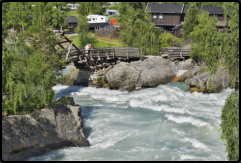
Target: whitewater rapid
123, 125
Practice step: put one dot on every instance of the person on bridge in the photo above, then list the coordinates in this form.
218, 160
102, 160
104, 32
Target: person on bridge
86, 49
90, 48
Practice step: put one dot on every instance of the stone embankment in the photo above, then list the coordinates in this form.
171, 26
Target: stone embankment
25, 136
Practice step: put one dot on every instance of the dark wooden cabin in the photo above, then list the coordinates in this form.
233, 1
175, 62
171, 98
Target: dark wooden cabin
169, 17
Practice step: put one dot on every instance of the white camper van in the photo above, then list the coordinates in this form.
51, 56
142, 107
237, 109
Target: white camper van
98, 19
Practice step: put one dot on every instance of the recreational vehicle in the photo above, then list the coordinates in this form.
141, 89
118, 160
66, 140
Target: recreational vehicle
97, 19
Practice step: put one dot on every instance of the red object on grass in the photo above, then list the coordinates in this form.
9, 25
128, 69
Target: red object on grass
113, 21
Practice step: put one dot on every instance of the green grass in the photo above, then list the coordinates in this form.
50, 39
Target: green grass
73, 13
112, 18
97, 44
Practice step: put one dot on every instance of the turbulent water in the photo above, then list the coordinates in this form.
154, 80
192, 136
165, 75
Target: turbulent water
162, 123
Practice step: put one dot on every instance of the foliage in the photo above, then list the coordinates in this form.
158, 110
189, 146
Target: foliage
166, 39
87, 8
230, 41
116, 6
60, 11
199, 35
191, 20
82, 30
29, 71
137, 30
230, 126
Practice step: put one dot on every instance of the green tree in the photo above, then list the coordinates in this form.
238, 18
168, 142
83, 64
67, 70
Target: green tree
199, 35
88, 8
60, 13
190, 20
82, 30
137, 30
29, 71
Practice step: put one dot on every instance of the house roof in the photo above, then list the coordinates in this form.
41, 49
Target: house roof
177, 27
72, 19
178, 8
210, 9
165, 8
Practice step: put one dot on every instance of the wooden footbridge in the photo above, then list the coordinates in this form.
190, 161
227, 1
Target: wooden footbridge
98, 57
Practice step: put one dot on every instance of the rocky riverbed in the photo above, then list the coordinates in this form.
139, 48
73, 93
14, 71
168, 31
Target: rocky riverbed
31, 135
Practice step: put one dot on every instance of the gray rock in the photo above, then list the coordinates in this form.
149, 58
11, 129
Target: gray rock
200, 82
25, 136
148, 73
189, 74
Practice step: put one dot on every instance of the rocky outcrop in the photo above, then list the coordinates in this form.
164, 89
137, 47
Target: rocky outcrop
202, 81
151, 72
25, 136
71, 77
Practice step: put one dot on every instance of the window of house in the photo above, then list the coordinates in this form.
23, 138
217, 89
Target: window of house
154, 15
160, 16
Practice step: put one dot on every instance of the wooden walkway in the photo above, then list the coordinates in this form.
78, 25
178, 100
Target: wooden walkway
171, 52
98, 57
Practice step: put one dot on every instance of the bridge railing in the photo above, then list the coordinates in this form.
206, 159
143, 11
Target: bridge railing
124, 52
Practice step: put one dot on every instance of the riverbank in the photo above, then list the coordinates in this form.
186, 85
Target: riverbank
31, 135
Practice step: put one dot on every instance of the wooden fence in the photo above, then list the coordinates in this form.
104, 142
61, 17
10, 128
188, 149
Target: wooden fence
103, 32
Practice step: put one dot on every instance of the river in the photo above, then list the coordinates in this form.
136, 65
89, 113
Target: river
162, 123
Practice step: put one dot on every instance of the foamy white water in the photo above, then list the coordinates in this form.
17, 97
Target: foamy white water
124, 125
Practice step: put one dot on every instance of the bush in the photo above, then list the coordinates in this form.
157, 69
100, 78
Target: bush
230, 126
166, 39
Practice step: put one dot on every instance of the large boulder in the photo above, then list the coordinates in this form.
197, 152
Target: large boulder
202, 81
25, 136
151, 72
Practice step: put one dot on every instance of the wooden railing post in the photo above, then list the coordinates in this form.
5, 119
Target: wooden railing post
127, 54
141, 53
67, 55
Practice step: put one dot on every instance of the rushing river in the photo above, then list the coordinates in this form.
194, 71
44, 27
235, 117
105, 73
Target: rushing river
162, 123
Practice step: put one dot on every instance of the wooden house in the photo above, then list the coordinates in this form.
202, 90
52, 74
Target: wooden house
169, 17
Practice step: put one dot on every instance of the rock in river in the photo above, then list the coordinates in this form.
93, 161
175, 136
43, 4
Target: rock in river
151, 72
